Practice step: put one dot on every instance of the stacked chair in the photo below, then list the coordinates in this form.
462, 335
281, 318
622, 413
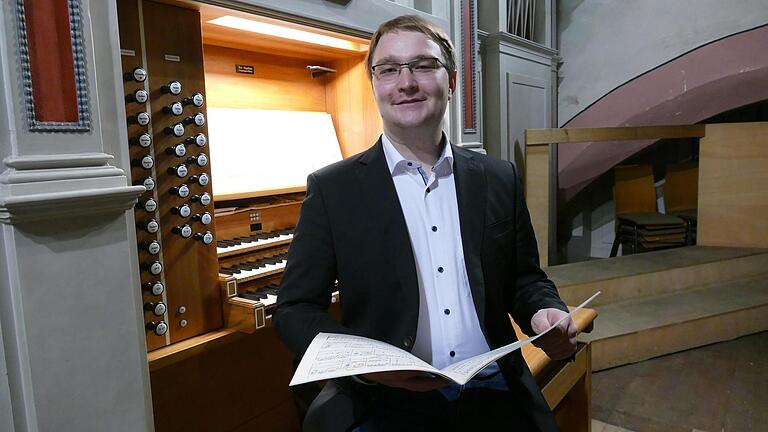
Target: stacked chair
639, 226
681, 191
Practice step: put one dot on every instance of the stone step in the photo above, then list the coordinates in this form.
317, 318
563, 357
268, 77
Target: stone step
655, 273
641, 328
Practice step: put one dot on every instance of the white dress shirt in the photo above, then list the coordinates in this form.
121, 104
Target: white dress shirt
448, 327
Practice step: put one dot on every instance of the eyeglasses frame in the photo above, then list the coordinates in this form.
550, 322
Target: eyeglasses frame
408, 65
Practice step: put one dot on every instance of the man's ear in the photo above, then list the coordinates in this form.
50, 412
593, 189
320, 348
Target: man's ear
452, 82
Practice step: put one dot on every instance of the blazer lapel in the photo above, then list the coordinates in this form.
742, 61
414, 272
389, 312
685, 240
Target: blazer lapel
471, 194
380, 197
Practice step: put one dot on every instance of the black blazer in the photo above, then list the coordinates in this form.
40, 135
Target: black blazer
352, 229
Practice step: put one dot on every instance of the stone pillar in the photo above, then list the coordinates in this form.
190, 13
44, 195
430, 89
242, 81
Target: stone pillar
70, 307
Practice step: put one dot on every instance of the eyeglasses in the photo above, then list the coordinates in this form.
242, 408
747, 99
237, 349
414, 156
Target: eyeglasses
420, 67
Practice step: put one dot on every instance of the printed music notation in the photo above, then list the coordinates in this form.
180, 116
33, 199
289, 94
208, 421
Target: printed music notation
332, 355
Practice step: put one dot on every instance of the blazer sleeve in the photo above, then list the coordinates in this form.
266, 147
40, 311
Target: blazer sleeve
308, 280
533, 289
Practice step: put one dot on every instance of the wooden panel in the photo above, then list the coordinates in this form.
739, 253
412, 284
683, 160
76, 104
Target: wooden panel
566, 379
536, 180
269, 217
733, 185
352, 106
130, 42
566, 386
571, 135
573, 412
681, 188
260, 193
278, 83
190, 266
220, 389
634, 191
167, 356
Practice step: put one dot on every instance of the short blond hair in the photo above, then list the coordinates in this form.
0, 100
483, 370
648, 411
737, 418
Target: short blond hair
414, 23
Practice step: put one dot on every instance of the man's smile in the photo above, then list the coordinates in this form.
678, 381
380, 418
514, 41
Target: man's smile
410, 101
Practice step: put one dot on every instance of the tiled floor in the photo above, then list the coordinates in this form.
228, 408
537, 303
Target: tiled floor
720, 387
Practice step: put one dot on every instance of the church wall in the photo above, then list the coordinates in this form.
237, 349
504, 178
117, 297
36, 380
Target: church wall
605, 44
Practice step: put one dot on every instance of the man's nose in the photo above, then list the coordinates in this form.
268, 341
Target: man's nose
406, 80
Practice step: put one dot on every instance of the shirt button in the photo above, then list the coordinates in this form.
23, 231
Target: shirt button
434, 228
440, 269
429, 190
447, 311
452, 353
407, 342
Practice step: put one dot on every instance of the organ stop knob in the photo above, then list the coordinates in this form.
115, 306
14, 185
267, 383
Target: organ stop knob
137, 74
173, 87
206, 237
157, 308
159, 328
156, 288
204, 199
175, 108
185, 230
200, 140
201, 179
196, 100
182, 210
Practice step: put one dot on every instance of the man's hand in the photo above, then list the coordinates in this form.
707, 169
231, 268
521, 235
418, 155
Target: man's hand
409, 380
560, 342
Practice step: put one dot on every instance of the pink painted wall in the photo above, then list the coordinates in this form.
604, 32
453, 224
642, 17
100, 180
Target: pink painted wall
711, 79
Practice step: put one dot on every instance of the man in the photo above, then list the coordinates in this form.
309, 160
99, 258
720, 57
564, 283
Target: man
432, 248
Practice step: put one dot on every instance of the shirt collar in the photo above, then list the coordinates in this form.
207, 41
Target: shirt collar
398, 164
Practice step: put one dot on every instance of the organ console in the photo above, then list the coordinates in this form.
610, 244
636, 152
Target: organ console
210, 265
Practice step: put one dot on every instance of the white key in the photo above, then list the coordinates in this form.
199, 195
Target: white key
269, 301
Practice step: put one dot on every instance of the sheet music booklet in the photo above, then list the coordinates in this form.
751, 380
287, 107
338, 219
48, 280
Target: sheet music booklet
332, 355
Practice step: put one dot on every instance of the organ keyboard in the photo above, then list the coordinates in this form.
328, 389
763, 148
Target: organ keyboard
256, 269
240, 245
252, 253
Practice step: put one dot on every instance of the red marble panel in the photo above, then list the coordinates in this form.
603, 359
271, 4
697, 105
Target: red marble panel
468, 65
51, 60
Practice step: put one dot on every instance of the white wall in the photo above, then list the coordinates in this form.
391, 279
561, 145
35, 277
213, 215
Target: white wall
605, 43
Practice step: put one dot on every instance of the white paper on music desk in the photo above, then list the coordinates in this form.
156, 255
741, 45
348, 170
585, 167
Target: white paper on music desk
333, 355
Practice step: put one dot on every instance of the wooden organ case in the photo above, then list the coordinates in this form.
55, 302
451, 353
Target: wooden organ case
215, 361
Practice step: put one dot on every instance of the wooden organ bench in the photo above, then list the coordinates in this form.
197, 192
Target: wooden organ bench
567, 386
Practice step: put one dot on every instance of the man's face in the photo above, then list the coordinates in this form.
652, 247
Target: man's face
411, 101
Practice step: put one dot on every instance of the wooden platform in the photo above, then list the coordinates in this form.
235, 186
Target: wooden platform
662, 302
